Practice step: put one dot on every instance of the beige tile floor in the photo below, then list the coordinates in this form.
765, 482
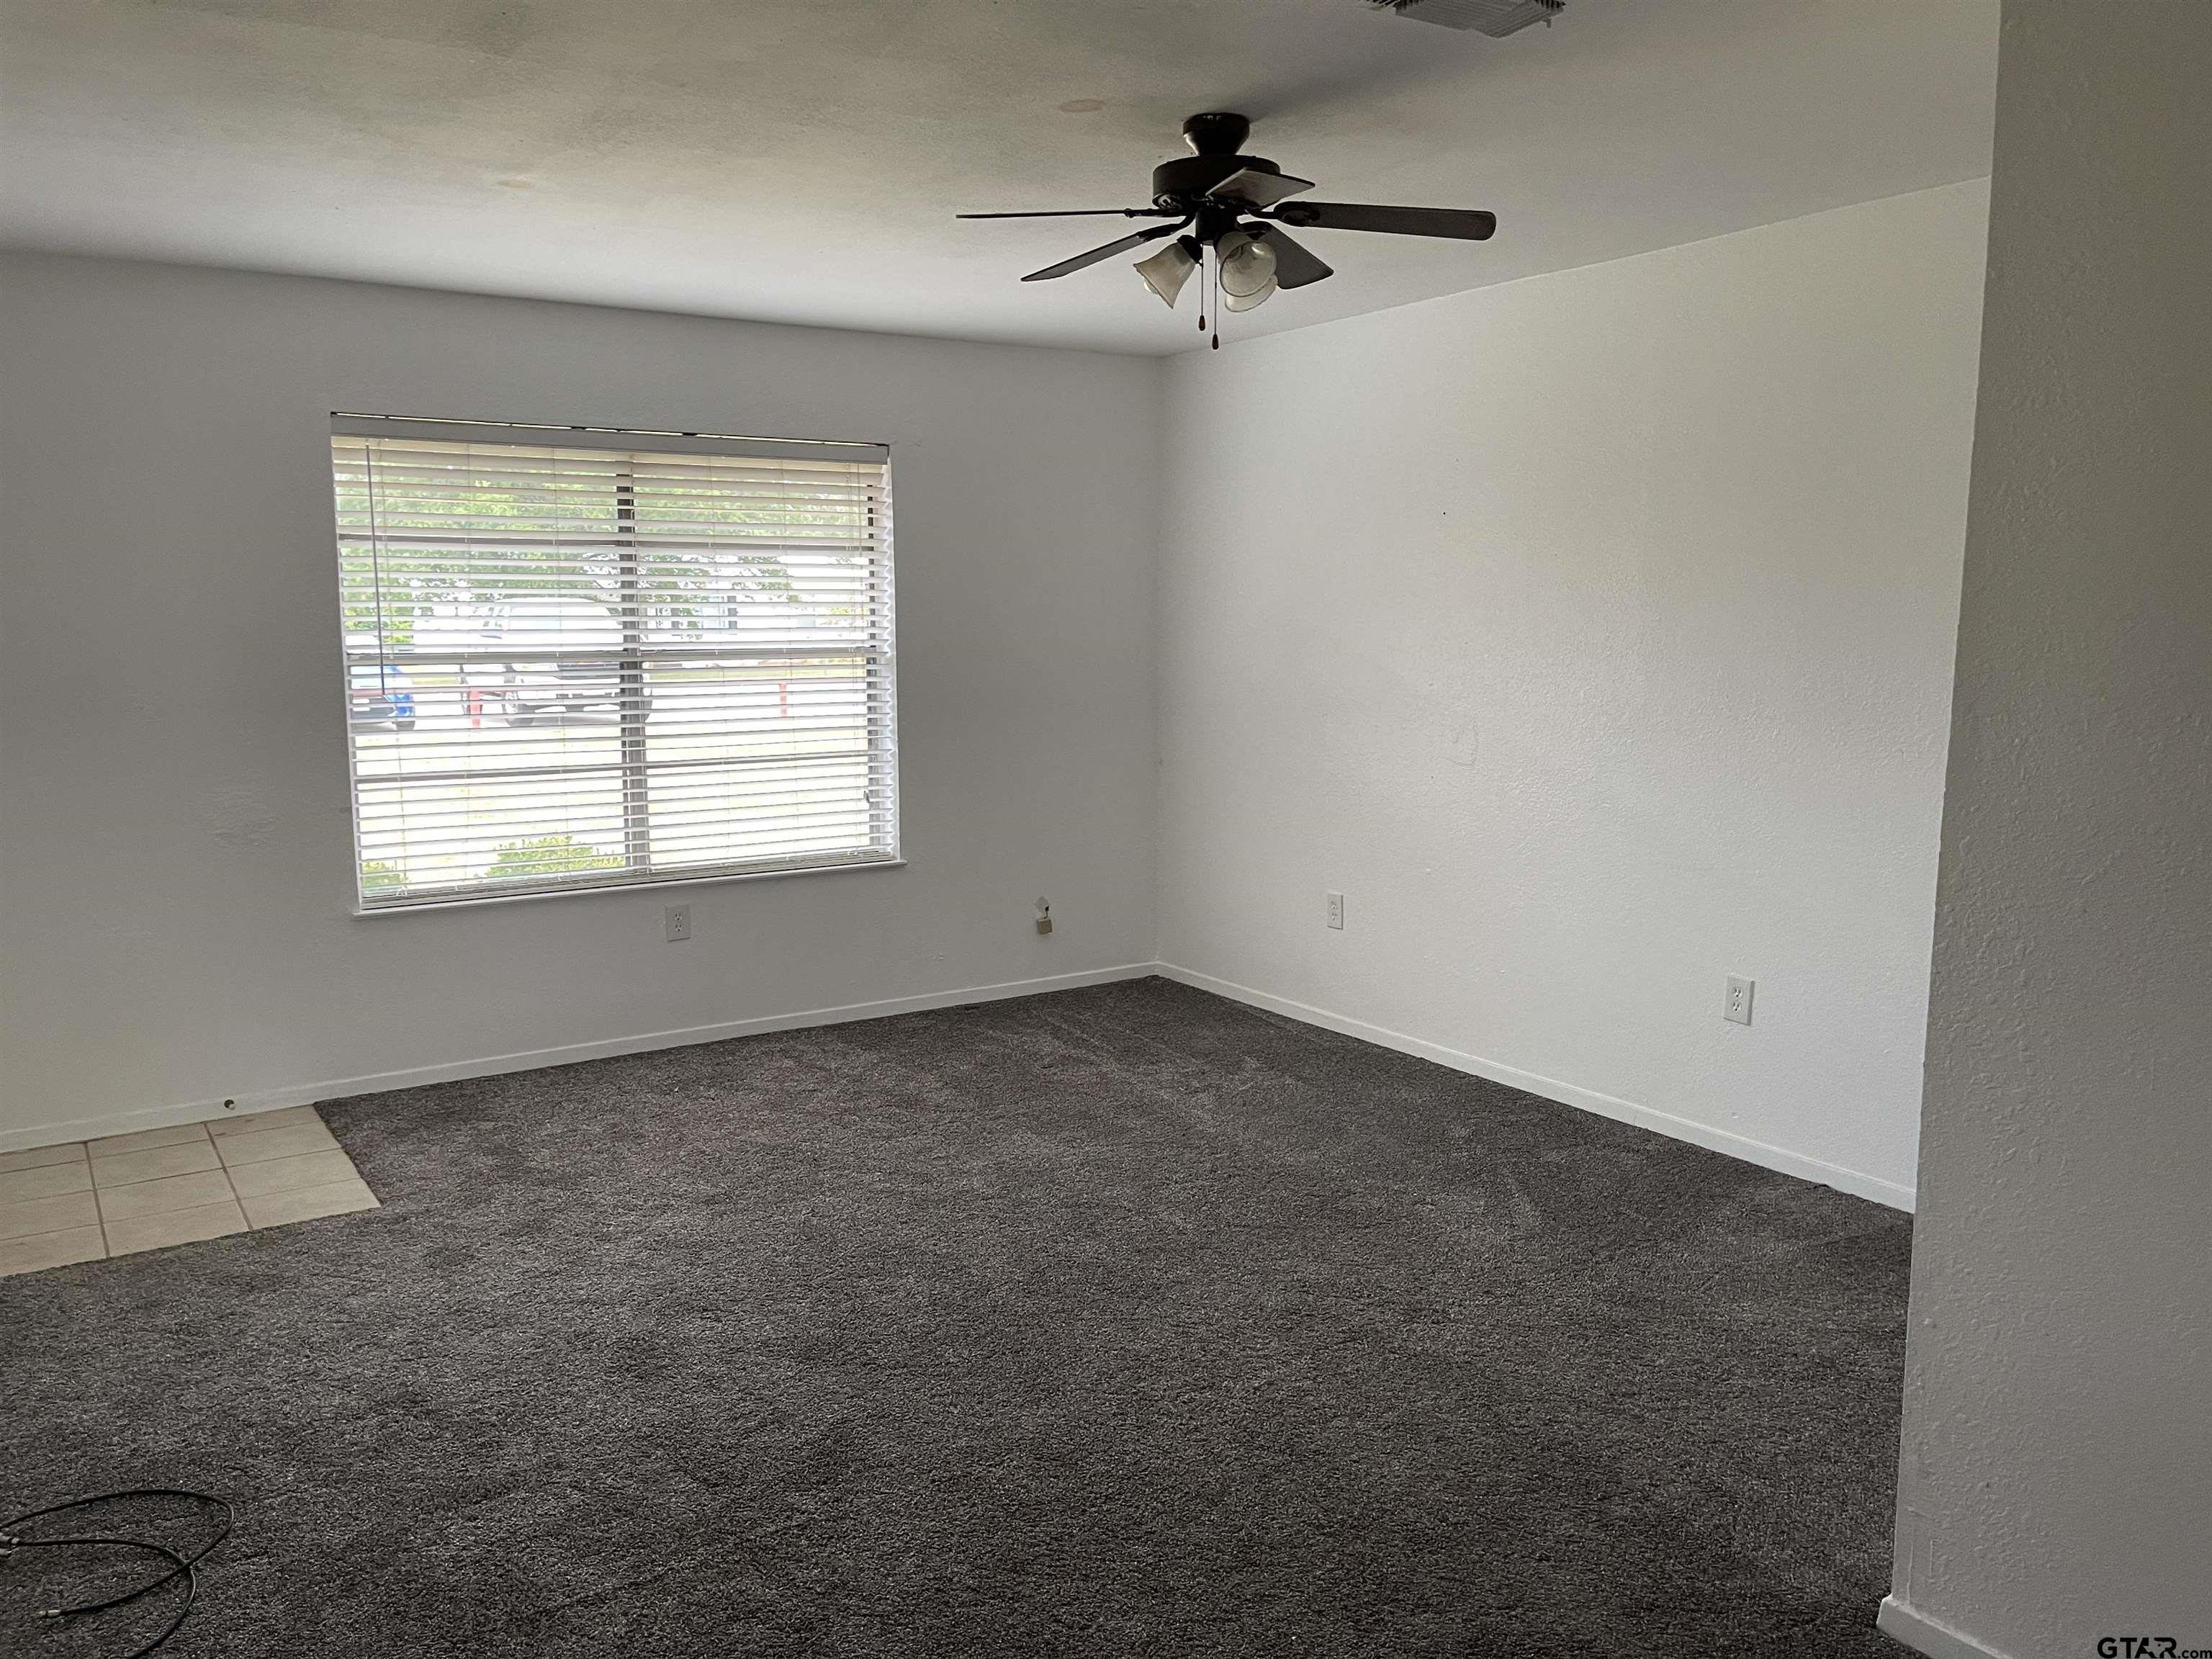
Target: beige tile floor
163, 1187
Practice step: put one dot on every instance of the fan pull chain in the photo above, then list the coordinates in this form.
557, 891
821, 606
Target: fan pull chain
1202, 252
1216, 299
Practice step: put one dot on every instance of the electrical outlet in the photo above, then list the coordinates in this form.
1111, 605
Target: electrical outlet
1336, 910
676, 923
1043, 917
1737, 1006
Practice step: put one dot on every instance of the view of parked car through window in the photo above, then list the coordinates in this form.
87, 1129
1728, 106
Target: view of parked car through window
534, 687
379, 693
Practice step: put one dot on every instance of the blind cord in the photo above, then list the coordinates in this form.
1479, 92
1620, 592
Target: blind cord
180, 1565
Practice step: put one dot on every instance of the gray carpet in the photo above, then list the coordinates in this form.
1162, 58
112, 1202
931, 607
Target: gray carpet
1117, 1321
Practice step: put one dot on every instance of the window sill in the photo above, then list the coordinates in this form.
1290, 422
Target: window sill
474, 901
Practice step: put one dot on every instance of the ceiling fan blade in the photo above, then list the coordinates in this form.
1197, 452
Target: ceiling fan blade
1257, 189
1295, 266
1071, 213
1467, 226
1120, 245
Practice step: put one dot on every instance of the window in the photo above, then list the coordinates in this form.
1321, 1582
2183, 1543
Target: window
581, 657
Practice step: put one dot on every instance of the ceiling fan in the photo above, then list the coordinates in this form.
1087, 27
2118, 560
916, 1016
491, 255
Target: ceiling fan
1229, 212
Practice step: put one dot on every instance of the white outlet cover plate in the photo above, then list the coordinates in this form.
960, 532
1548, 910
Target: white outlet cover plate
1736, 1005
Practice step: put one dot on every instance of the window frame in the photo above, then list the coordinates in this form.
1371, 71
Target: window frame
878, 653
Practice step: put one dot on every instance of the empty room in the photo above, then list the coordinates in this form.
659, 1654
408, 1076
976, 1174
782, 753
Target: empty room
1105, 827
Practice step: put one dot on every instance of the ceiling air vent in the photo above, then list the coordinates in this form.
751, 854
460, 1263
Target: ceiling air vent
1495, 18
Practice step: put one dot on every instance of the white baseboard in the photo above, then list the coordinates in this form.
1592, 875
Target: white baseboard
269, 1100
1924, 1635
1680, 1128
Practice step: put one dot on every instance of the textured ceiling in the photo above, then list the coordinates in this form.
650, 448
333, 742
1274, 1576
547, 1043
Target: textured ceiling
800, 162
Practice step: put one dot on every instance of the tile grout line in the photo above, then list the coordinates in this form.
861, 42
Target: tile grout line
99, 1210
206, 1126
239, 1199
172, 1175
236, 1196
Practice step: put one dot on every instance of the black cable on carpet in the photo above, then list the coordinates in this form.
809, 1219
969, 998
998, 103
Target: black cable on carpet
180, 1565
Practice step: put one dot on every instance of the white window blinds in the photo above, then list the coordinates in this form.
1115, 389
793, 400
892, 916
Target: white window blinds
588, 659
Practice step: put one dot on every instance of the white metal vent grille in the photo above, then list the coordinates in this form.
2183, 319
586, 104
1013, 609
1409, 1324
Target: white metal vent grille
1496, 18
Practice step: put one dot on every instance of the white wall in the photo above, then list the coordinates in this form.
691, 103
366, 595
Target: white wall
174, 859
2057, 1479
1593, 634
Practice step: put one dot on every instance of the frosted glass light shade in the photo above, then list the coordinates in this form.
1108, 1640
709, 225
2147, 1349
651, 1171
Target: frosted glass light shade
1166, 271
1248, 268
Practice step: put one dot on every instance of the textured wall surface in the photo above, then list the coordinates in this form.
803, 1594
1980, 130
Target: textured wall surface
2057, 1479
1593, 634
174, 832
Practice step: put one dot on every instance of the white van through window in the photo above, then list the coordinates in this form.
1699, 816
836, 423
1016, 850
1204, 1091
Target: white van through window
580, 658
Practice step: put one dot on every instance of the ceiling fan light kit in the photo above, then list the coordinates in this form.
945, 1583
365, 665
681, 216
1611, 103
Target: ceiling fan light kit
1235, 206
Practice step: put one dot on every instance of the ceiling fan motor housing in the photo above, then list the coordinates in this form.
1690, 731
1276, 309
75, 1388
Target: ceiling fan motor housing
1183, 182
1216, 132
1214, 139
